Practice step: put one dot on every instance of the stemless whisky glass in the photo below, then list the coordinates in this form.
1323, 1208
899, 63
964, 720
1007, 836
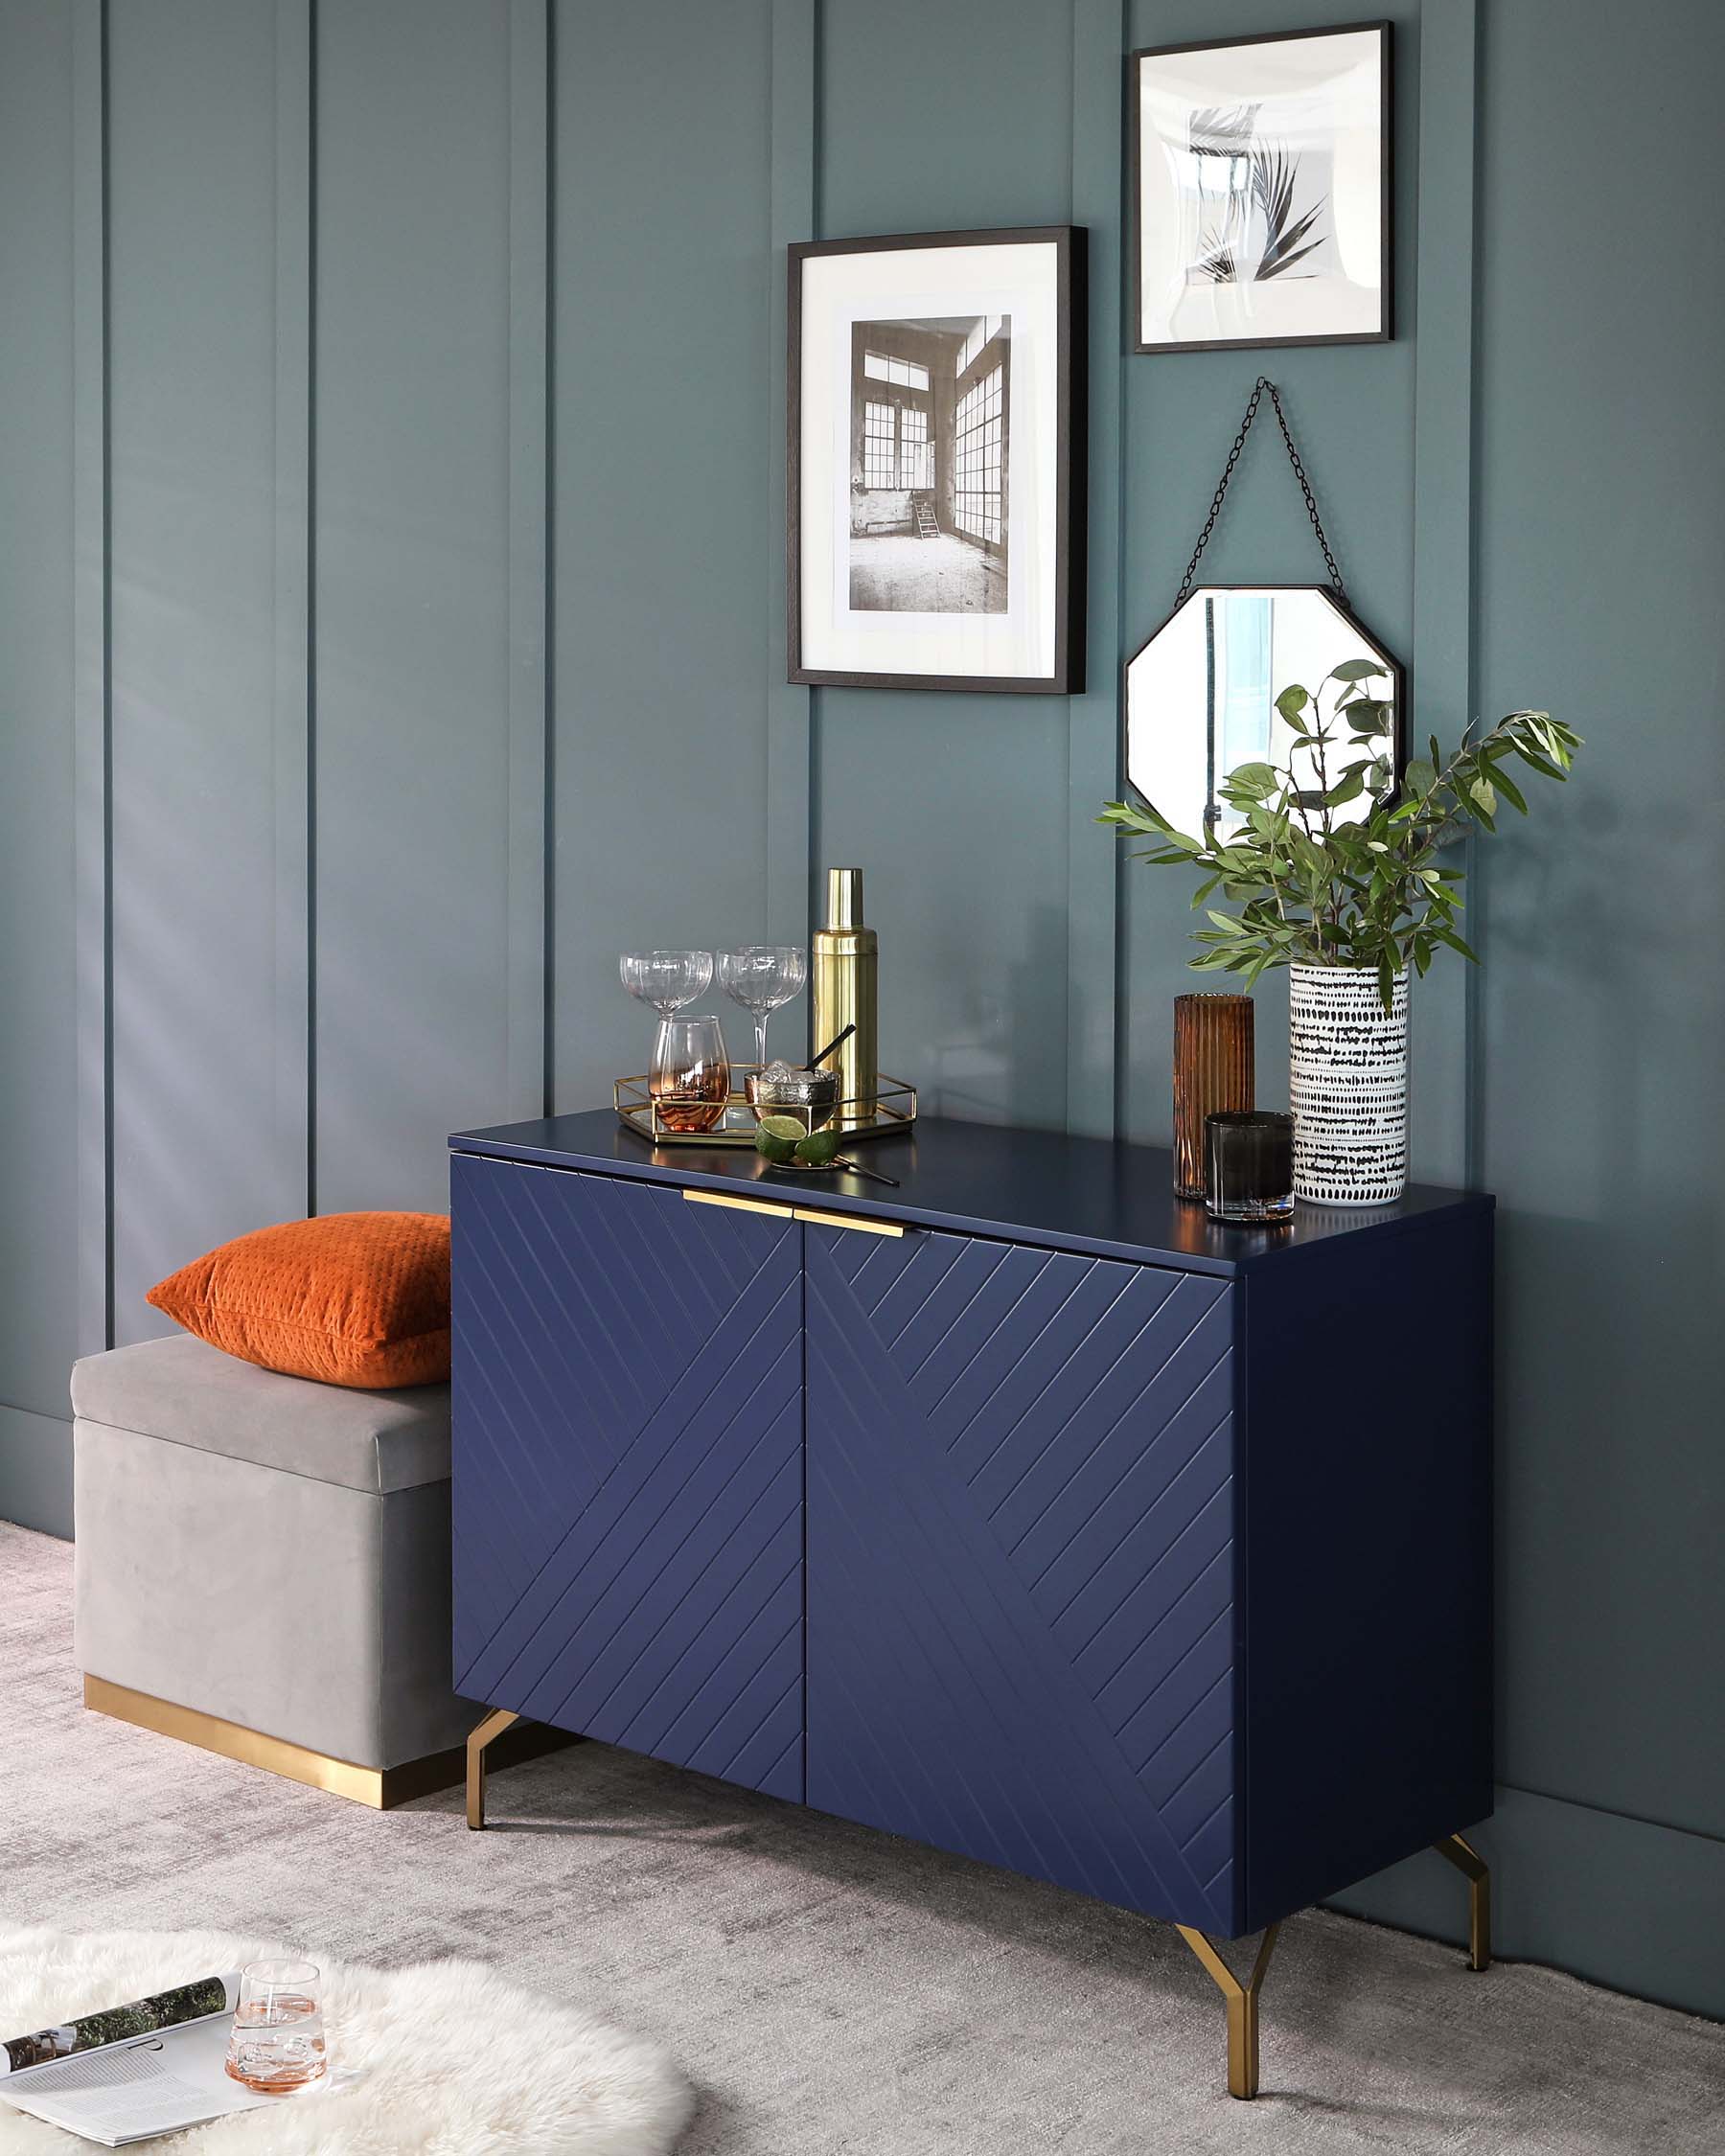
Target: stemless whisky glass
690, 1077
278, 2040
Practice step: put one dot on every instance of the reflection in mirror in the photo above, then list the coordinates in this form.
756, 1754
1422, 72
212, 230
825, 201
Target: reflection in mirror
1201, 699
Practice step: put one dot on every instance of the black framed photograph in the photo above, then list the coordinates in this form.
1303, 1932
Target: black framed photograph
1262, 184
936, 466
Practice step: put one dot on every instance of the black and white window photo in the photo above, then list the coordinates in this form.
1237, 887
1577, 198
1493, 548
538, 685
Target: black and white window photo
929, 409
930, 446
1262, 185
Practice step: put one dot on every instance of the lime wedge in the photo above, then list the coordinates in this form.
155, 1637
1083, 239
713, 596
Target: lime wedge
782, 1127
816, 1149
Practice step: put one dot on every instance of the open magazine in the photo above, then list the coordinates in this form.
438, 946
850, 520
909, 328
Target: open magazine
133, 2072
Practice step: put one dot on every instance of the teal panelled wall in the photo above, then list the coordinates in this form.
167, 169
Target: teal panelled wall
1598, 1044
1601, 1055
953, 804
663, 429
412, 565
198, 1037
391, 631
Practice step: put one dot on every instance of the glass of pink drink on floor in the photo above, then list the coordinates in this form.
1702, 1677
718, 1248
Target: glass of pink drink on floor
278, 2040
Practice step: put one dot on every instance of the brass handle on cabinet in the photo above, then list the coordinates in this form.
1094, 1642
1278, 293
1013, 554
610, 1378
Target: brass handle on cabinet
793, 1212
846, 1220
738, 1204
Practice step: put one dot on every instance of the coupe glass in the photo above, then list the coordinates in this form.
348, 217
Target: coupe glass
690, 1076
278, 2040
667, 979
762, 977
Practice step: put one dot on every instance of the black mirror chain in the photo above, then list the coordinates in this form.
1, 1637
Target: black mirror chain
1305, 487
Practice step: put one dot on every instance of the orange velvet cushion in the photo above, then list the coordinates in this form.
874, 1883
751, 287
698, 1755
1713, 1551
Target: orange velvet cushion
353, 1298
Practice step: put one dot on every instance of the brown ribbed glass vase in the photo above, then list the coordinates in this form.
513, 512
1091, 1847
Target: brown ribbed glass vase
1213, 1077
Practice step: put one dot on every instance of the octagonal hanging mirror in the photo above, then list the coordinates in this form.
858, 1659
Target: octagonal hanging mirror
1201, 701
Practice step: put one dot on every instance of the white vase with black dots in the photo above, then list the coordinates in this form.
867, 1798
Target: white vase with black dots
1347, 1086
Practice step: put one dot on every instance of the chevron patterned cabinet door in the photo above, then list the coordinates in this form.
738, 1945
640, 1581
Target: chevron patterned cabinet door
628, 1472
1022, 1547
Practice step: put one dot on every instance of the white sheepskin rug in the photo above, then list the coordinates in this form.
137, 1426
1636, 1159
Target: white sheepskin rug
445, 2059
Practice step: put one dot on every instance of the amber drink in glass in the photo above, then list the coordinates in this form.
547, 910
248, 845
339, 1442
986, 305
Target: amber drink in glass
690, 1078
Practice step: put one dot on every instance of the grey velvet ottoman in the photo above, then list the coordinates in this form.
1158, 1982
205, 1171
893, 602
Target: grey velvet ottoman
263, 1565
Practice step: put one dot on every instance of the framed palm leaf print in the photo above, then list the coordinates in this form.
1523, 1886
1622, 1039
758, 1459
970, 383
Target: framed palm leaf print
1261, 183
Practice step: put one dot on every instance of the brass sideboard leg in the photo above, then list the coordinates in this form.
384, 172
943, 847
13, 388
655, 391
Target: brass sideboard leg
493, 1726
1469, 1861
1242, 2006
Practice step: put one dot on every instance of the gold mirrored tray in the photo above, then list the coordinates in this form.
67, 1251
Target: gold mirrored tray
894, 1109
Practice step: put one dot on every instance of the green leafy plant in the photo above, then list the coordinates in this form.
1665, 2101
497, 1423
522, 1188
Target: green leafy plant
1316, 890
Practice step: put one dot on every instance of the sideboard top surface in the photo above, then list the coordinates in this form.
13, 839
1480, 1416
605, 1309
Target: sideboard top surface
1095, 1195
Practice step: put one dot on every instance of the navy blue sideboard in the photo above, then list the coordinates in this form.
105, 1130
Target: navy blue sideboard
1021, 1509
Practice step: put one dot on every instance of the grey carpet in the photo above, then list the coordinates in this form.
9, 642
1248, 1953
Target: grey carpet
832, 1989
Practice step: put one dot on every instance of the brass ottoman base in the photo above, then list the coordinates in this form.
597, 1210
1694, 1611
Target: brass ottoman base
382, 1788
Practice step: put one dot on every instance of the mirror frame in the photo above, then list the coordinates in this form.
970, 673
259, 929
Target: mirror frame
1398, 675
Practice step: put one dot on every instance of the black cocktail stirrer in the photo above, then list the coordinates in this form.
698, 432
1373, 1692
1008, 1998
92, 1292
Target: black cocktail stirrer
837, 1042
840, 1160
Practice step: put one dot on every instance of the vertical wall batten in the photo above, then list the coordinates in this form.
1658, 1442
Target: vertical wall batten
548, 718
1441, 673
1092, 748
49, 645
528, 926
293, 716
93, 836
793, 60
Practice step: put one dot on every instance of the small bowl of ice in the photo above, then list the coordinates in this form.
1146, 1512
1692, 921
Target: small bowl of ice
781, 1089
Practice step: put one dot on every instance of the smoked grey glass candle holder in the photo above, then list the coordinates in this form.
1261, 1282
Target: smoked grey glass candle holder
1248, 1167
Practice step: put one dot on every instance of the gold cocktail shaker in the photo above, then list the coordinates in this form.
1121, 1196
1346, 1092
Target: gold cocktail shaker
844, 964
